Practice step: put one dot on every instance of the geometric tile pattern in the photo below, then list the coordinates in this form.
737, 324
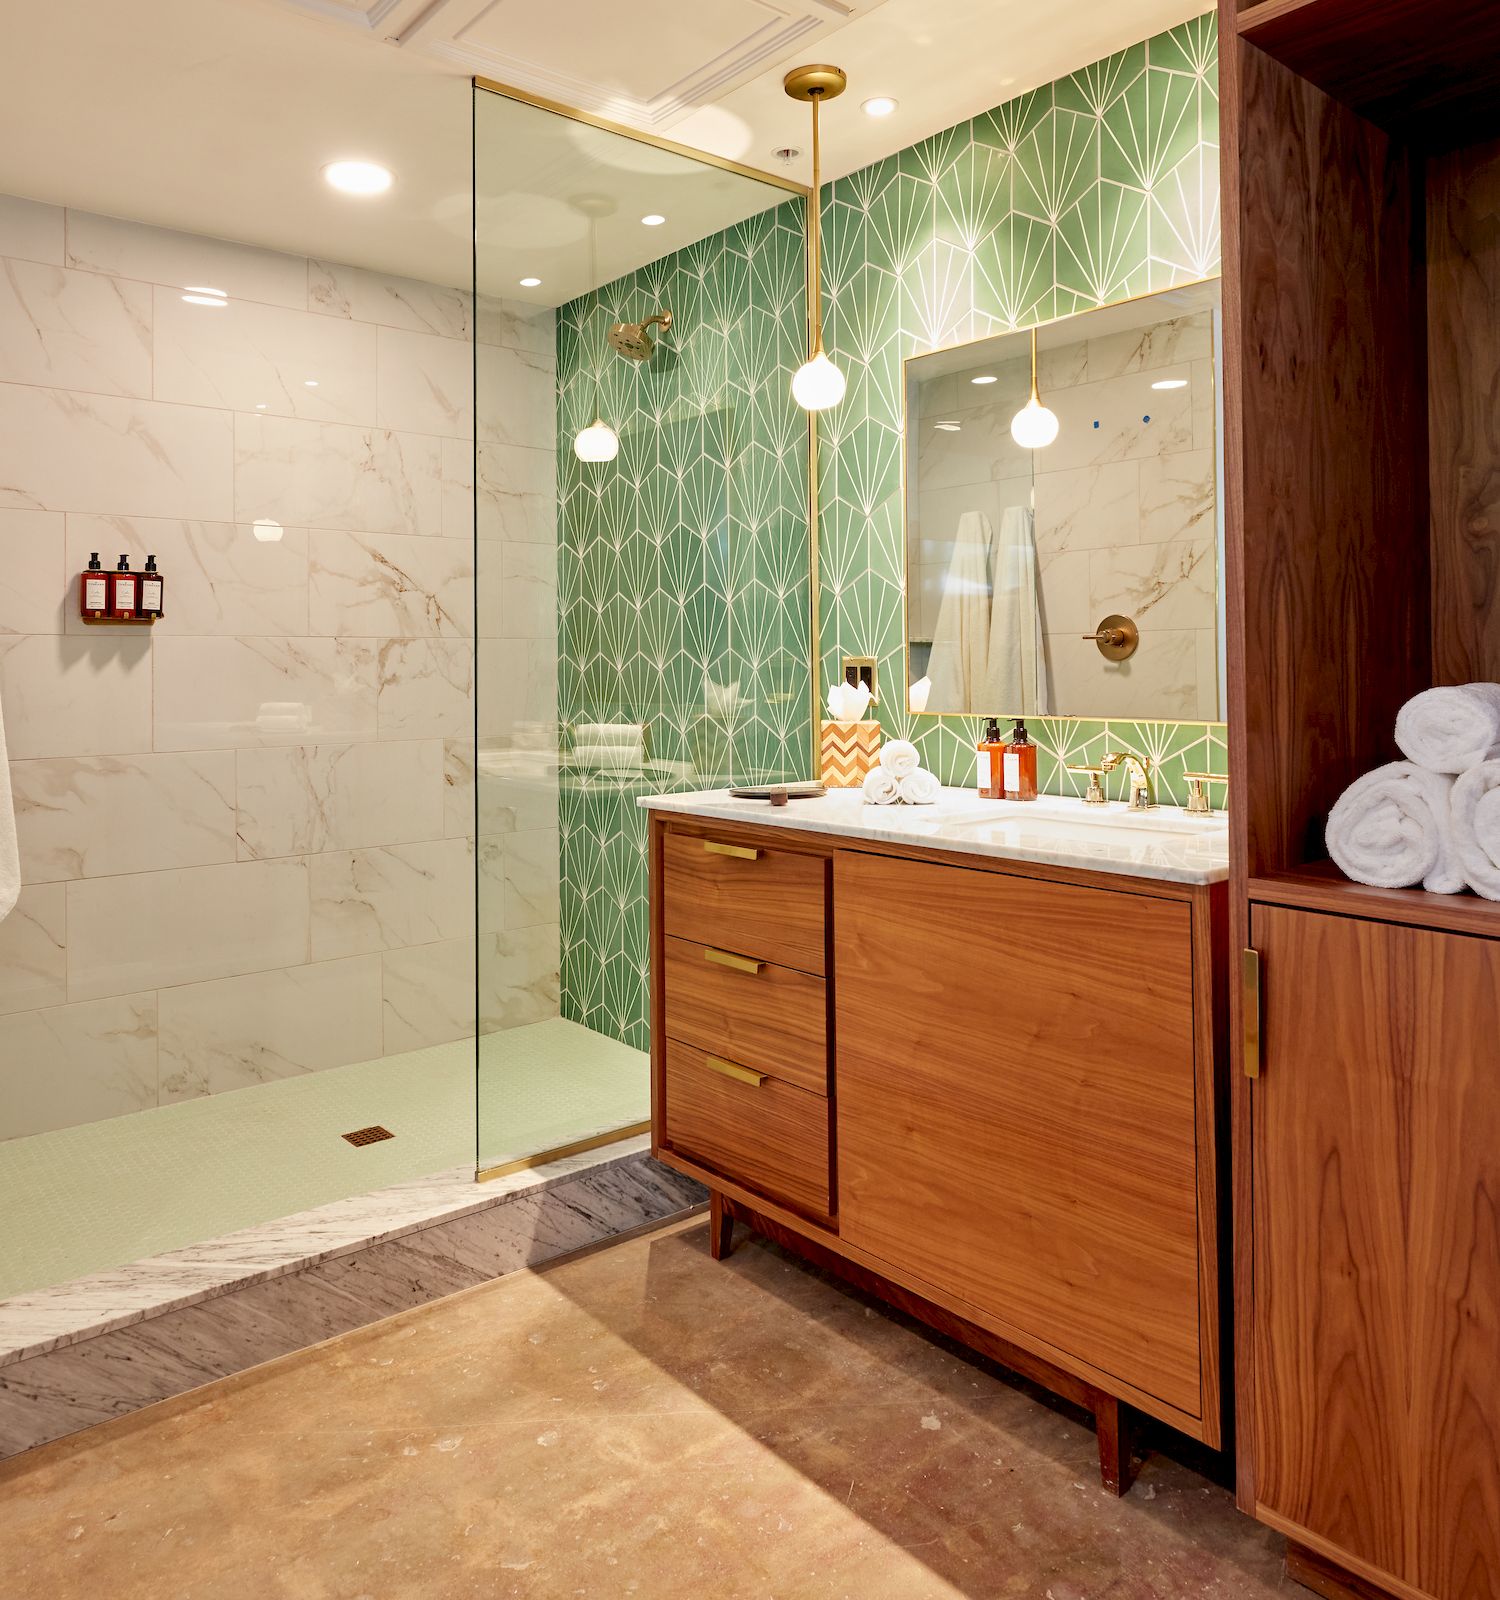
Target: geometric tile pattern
683, 570
1100, 187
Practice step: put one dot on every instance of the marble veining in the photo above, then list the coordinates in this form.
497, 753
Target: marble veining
1052, 830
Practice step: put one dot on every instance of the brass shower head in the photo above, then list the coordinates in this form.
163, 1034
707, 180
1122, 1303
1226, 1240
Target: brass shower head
631, 338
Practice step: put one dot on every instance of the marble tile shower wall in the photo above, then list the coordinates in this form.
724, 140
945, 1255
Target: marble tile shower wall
246, 834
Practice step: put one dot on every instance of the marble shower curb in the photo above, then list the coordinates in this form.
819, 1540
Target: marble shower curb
169, 1324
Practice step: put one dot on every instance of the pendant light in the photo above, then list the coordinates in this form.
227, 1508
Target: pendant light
818, 384
598, 441
1033, 427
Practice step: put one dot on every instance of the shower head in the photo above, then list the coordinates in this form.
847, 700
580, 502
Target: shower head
631, 338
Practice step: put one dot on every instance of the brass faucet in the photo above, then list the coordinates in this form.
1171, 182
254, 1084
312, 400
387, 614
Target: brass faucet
1139, 767
1198, 802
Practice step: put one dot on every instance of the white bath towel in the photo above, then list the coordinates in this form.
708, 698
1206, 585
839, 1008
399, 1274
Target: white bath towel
1476, 828
881, 789
899, 758
10, 858
1451, 730
961, 635
919, 788
1393, 828
1016, 664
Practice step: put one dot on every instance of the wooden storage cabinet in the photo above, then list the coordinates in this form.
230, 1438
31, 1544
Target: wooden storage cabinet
989, 1092
1017, 1120
1376, 1183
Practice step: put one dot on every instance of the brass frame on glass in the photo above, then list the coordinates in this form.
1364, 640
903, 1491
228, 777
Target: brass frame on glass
961, 344
791, 186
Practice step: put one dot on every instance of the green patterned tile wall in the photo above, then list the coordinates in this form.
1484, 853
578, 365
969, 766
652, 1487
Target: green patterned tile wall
1097, 188
682, 571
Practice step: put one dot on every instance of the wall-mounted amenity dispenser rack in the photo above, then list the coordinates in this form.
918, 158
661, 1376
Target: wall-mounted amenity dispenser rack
121, 598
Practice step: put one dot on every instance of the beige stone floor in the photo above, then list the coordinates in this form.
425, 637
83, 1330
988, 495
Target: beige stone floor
639, 1421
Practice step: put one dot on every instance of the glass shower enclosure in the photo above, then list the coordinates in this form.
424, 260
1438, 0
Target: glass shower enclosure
642, 565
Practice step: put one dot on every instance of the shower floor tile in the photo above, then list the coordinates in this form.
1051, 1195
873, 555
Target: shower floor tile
84, 1199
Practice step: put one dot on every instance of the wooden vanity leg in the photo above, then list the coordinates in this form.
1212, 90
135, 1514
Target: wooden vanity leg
1112, 1426
720, 1226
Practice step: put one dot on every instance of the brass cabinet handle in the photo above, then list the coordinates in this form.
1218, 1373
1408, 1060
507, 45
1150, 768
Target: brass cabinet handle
1250, 999
732, 1069
741, 852
725, 958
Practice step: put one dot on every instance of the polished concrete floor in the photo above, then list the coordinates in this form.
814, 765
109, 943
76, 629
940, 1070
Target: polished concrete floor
638, 1421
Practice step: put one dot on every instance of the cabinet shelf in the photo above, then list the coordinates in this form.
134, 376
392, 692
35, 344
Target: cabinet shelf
1320, 886
1431, 65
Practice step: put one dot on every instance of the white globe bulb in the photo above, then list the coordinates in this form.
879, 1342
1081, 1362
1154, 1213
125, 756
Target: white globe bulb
1033, 427
818, 384
597, 442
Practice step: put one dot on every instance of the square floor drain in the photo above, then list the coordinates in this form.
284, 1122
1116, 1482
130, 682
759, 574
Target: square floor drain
371, 1135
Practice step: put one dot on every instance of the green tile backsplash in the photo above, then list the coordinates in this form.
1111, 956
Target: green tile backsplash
683, 565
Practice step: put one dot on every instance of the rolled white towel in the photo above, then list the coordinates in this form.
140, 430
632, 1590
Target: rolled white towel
881, 789
1393, 828
1451, 730
1476, 827
919, 788
899, 758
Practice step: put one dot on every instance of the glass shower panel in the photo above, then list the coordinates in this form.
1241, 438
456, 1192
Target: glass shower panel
643, 620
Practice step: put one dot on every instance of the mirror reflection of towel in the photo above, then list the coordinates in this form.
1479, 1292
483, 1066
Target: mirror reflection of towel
987, 654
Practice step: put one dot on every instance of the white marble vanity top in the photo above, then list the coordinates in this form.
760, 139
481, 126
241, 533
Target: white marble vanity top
1163, 843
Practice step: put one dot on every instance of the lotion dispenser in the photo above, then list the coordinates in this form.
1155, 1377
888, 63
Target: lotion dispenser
124, 590
93, 591
1019, 764
991, 750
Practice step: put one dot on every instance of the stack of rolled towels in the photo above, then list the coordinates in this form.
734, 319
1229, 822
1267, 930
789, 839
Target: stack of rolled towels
1434, 818
899, 778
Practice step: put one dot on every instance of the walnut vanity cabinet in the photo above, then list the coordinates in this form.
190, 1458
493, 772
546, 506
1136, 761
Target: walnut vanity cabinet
984, 1090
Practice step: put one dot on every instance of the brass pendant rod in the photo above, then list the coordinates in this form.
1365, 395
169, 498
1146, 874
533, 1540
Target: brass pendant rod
815, 240
1034, 394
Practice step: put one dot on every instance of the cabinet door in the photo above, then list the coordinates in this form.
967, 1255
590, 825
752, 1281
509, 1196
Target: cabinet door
1377, 1245
1014, 1079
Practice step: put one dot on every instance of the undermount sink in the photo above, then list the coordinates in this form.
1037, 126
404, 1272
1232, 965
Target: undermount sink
1113, 816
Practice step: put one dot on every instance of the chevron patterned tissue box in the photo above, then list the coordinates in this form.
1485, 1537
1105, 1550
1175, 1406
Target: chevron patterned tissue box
849, 750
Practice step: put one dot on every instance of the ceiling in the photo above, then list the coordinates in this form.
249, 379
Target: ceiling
218, 115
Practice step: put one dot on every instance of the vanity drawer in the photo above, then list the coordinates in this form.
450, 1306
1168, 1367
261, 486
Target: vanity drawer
770, 1136
743, 898
772, 1018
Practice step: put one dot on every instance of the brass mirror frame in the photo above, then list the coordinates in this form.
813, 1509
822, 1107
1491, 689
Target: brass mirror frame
961, 344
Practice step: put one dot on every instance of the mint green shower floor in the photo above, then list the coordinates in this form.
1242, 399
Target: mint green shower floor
84, 1199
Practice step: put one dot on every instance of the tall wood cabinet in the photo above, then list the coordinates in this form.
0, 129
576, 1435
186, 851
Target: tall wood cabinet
1361, 160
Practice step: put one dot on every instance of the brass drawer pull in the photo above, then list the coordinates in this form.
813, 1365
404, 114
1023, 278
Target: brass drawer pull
725, 958
740, 852
730, 1069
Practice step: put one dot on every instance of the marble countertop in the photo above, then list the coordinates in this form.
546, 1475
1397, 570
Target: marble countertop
1164, 843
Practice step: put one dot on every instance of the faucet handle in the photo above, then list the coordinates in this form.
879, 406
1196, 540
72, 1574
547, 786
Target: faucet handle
1095, 795
1198, 782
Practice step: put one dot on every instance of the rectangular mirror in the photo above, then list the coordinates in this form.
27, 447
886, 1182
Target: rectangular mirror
1085, 577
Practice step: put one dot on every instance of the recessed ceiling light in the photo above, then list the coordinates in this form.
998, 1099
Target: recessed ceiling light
1170, 383
653, 219
309, 383
531, 283
200, 294
358, 177
987, 377
266, 530
949, 427
881, 106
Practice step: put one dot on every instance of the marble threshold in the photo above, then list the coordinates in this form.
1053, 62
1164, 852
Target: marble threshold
49, 1319
1053, 830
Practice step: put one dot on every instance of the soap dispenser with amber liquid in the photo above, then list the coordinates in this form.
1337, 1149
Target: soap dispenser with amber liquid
1018, 764
991, 751
124, 591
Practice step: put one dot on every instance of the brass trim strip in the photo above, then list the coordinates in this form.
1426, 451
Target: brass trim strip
726, 958
509, 92
560, 1151
741, 852
732, 1069
1250, 1000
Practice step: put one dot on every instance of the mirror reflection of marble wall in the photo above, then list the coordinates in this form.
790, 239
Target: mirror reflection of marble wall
1013, 555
